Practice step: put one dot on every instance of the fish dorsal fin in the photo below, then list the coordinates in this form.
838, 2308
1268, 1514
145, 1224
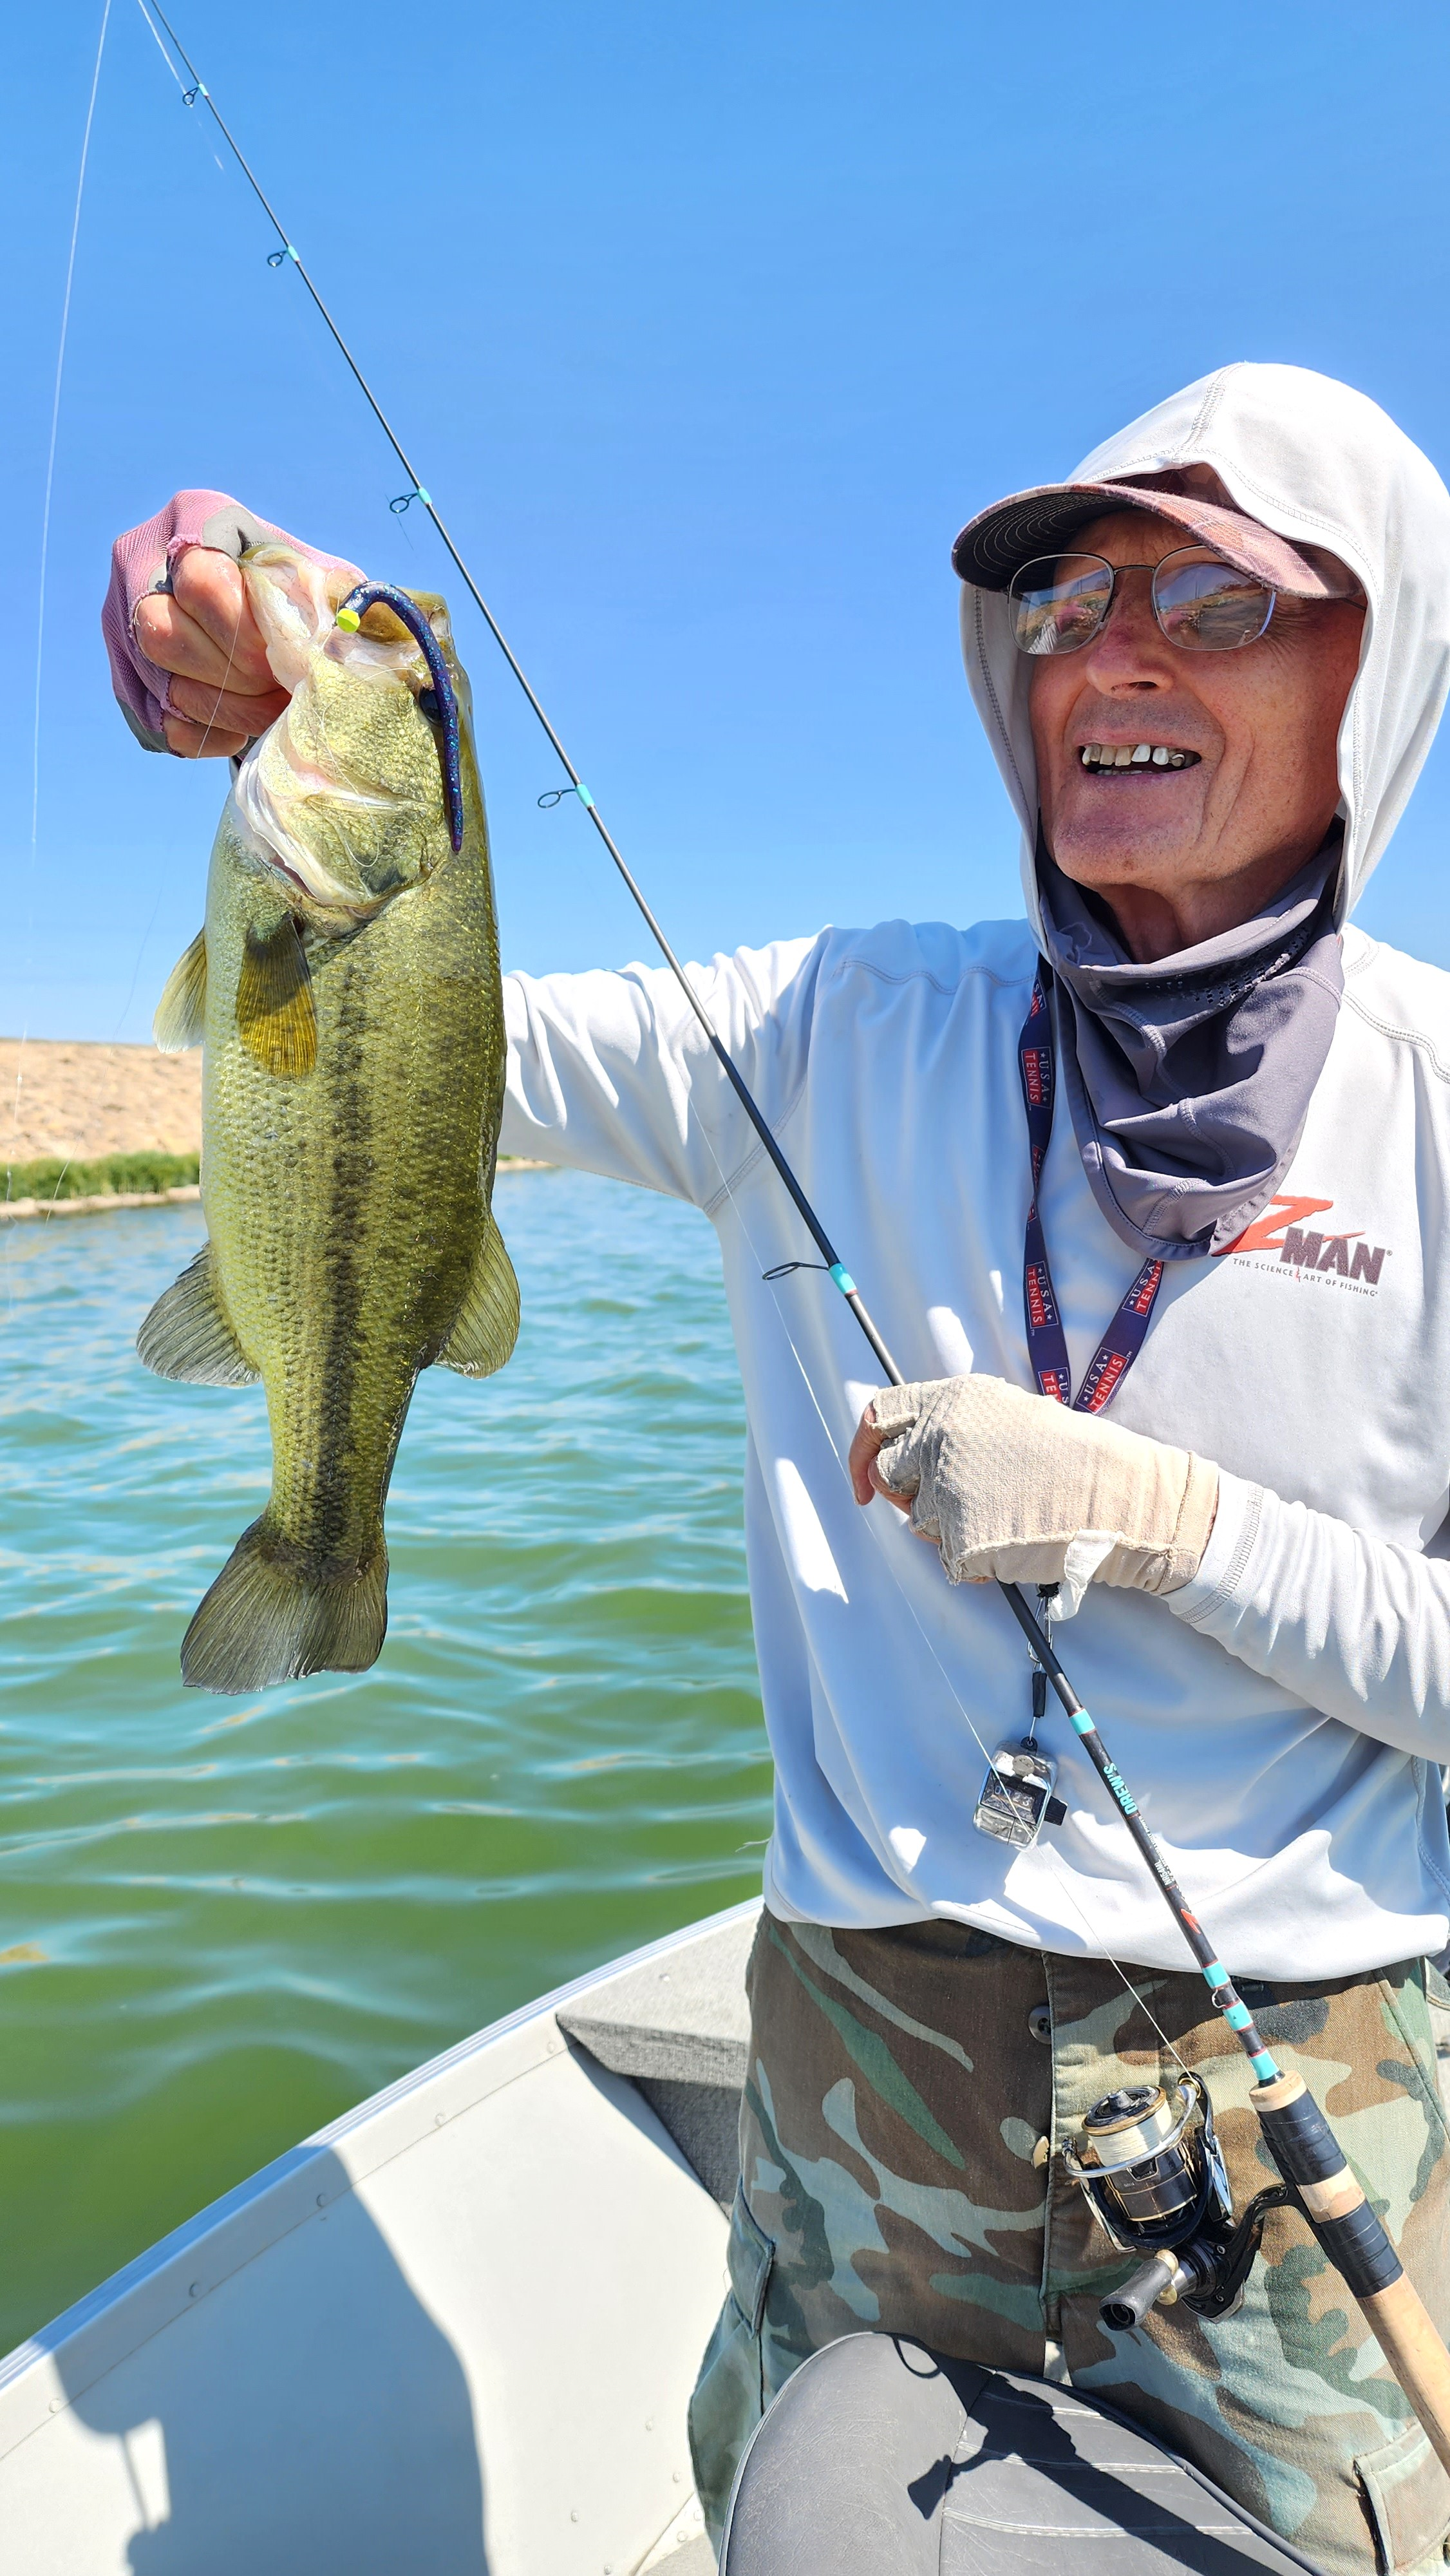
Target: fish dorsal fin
188, 1334
487, 1324
276, 1014
181, 1011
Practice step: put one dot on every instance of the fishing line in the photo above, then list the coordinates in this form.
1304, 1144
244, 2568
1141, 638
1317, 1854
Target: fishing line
171, 67
161, 49
46, 511
70, 271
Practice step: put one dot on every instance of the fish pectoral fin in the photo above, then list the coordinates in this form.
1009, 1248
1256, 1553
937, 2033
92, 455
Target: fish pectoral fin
487, 1323
276, 1014
187, 1333
181, 1011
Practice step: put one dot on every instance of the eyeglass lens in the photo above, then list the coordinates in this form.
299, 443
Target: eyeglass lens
1059, 602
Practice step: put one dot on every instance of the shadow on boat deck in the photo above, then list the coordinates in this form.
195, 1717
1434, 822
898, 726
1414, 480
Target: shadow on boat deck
324, 2431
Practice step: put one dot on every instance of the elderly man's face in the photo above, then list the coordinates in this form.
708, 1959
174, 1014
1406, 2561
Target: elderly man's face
1180, 854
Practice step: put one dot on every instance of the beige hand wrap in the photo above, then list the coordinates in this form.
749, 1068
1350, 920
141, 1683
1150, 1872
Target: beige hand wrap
1015, 1487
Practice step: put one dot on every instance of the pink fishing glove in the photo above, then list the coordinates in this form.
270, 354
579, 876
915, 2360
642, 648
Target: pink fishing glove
142, 561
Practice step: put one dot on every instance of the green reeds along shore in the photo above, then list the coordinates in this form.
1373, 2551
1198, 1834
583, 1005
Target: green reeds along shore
112, 1175
54, 1186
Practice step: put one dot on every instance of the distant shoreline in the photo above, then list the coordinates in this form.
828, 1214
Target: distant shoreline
86, 1127
102, 1202
14, 1211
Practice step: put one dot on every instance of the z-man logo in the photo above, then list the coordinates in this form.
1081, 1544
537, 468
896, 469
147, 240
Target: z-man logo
1282, 1230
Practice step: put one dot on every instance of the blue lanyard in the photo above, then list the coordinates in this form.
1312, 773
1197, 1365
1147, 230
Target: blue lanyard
1046, 1341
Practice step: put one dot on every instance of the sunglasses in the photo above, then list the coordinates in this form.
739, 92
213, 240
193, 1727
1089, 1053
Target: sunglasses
1060, 602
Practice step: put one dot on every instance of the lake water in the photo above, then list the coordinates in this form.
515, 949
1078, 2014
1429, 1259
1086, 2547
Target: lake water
223, 1921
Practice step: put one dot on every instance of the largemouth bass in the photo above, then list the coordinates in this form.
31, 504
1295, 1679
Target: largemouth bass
346, 987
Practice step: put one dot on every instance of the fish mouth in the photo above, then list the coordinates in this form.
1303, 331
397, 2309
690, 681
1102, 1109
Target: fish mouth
1136, 759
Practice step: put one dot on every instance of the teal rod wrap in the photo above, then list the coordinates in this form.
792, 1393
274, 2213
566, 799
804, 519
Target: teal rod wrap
1216, 1976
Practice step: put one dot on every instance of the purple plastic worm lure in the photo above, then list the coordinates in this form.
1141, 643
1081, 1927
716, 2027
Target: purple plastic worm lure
444, 709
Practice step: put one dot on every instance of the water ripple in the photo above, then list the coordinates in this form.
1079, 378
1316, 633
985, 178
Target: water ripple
222, 1922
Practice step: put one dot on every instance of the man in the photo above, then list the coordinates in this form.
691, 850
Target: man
1210, 669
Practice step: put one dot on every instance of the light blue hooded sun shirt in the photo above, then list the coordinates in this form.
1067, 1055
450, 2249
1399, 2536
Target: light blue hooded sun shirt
1283, 1717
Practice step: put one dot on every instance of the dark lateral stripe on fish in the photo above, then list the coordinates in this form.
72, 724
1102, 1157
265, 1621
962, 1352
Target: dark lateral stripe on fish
351, 1175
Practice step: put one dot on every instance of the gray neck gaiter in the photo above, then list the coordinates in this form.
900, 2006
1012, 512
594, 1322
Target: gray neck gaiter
1189, 1080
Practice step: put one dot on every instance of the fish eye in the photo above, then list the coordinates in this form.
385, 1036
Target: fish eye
428, 701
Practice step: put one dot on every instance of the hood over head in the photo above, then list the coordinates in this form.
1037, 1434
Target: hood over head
1189, 1079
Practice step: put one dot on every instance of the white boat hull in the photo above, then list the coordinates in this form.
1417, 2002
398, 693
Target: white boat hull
452, 2335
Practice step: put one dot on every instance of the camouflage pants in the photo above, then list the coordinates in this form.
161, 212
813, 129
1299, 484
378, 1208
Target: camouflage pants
901, 2083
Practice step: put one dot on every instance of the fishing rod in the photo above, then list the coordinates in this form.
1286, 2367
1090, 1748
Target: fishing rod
1153, 2172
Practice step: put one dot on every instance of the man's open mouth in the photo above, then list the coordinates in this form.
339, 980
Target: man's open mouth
1136, 755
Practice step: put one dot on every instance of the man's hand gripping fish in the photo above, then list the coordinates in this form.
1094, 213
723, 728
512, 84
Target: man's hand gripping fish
347, 988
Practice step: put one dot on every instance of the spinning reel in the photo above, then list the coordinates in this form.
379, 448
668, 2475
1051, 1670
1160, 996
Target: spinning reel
1152, 2167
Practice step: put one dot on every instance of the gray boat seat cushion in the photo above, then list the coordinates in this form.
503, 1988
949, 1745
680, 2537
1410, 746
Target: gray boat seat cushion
881, 2459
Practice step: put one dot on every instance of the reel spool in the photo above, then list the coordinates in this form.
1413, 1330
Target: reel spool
1151, 2165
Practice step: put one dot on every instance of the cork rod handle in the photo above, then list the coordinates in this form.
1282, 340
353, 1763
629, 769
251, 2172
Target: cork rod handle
1308, 2155
1406, 2336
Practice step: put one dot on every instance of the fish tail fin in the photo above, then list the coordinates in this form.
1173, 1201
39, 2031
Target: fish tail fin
272, 1615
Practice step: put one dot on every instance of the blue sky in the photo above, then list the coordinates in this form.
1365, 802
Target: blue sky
708, 326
